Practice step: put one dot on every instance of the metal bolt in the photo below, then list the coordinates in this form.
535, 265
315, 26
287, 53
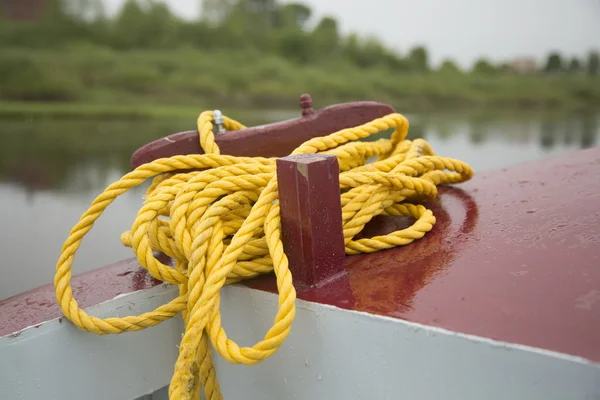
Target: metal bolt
218, 121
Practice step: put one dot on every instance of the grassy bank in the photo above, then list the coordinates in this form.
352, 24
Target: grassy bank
99, 81
33, 109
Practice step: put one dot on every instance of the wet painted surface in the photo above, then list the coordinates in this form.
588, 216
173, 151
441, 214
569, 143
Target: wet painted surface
39, 305
514, 256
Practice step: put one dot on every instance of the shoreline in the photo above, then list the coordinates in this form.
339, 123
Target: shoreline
150, 83
67, 110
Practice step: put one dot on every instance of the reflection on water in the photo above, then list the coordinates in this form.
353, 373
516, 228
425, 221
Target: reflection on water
51, 170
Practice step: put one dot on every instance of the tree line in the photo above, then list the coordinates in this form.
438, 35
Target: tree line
556, 64
266, 26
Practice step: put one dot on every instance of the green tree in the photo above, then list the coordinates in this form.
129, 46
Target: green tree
395, 62
419, 59
292, 16
295, 46
505, 68
129, 26
574, 66
484, 67
326, 37
144, 24
161, 24
293, 42
365, 53
353, 51
554, 63
593, 63
201, 34
449, 67
250, 25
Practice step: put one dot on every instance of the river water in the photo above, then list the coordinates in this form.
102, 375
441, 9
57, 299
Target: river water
52, 169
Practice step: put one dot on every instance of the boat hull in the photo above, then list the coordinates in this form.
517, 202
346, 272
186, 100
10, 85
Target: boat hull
332, 353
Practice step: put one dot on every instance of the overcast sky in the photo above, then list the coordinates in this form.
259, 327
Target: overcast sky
460, 29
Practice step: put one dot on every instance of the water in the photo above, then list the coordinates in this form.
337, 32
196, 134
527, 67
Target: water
52, 169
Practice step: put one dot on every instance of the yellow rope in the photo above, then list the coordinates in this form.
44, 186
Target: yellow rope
223, 226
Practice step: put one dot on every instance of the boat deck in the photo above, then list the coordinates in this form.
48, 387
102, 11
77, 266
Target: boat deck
514, 256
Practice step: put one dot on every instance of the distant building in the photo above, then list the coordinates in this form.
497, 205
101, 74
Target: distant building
523, 66
22, 10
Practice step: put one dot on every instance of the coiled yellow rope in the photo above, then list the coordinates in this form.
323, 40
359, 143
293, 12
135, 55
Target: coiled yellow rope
223, 226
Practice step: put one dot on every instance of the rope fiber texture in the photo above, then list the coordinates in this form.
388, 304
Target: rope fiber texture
217, 217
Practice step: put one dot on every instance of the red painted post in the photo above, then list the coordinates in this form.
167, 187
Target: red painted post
311, 217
